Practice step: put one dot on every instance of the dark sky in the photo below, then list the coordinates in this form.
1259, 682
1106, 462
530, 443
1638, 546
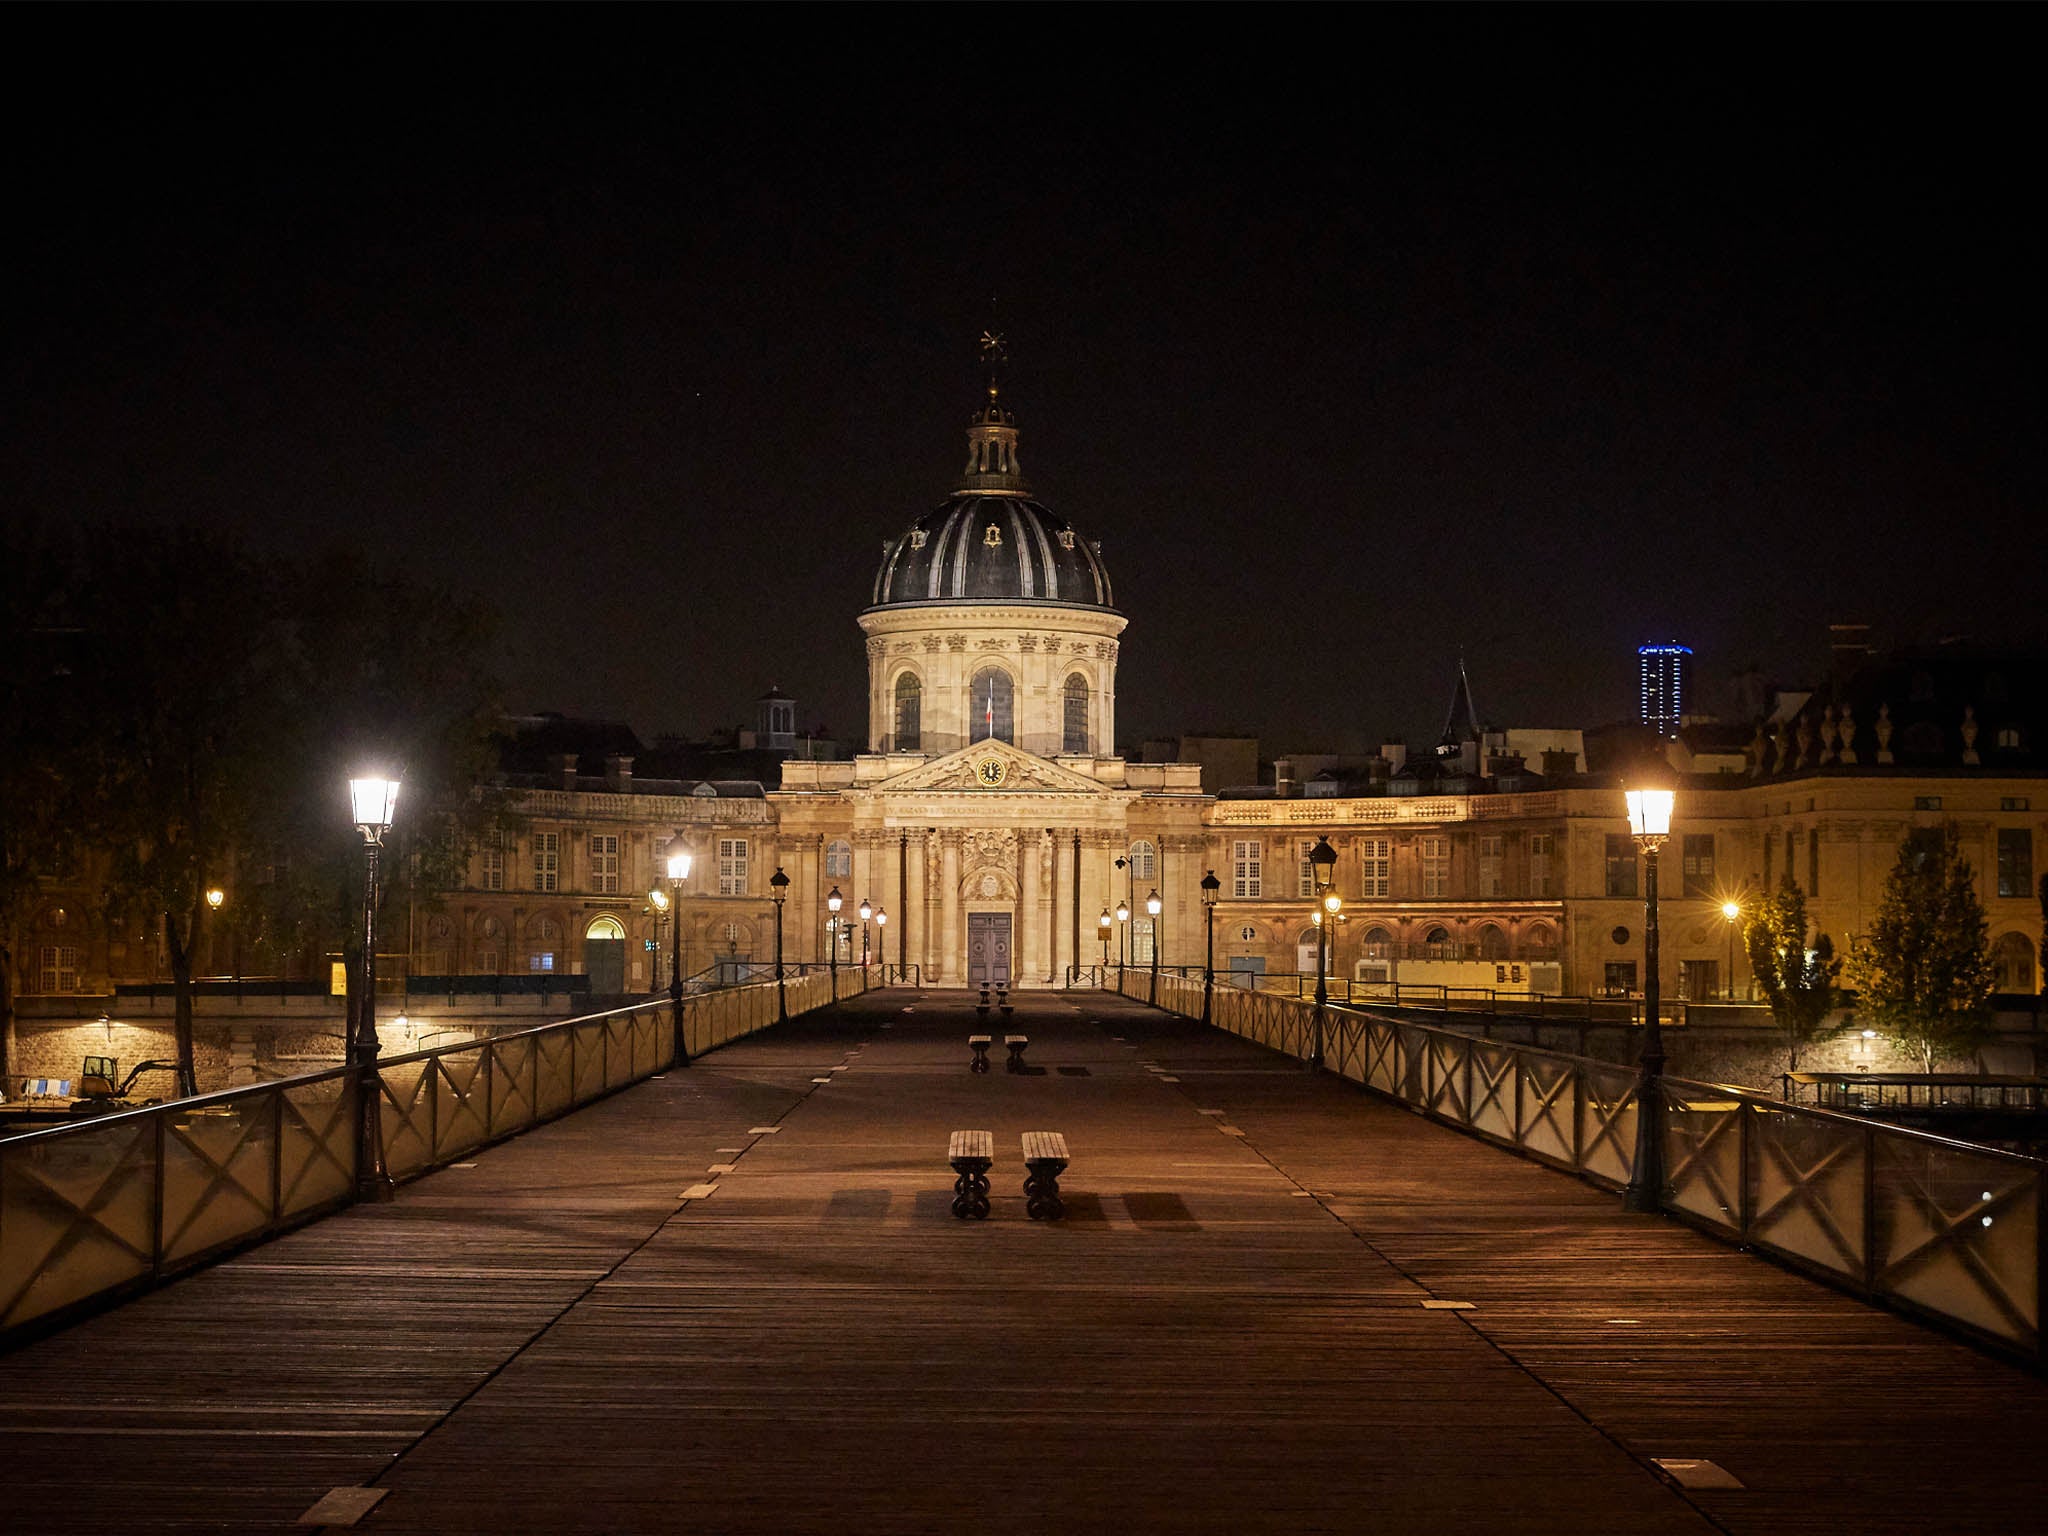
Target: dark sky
1359, 337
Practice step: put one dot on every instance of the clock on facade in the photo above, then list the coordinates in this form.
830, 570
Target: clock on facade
991, 771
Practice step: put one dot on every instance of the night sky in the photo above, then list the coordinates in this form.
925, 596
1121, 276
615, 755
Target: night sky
1360, 338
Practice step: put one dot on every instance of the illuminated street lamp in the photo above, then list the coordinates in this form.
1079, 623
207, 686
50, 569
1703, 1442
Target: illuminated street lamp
1152, 910
1103, 924
1123, 940
881, 940
372, 800
867, 911
1210, 887
1322, 863
1649, 820
832, 905
678, 872
1732, 910
657, 905
778, 892
215, 896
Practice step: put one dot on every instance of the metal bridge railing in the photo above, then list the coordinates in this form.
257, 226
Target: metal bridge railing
1945, 1230
91, 1211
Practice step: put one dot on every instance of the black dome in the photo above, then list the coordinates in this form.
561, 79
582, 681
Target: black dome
992, 549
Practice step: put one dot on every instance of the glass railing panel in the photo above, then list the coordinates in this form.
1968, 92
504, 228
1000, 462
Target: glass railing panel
216, 1171
76, 1212
1955, 1234
316, 1152
1703, 1153
1549, 1127
1607, 1121
1492, 1108
406, 1117
462, 1117
1806, 1177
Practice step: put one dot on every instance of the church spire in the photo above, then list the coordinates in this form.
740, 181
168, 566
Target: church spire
992, 464
1462, 723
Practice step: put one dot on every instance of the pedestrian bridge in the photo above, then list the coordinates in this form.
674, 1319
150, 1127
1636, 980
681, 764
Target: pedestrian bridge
733, 1296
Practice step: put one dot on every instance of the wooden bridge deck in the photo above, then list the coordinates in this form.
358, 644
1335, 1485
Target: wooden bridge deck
1227, 1333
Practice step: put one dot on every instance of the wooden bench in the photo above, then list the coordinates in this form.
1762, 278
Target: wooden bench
979, 1044
971, 1153
1015, 1045
1045, 1159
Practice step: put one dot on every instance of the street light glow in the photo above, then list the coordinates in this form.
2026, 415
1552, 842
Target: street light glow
679, 867
374, 800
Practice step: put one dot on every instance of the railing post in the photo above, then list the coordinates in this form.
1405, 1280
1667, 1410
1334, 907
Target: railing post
276, 1157
156, 1202
1870, 1209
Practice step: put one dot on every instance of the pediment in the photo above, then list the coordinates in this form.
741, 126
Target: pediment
1023, 772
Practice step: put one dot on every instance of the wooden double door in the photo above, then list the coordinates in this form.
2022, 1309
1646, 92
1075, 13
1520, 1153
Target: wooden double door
988, 949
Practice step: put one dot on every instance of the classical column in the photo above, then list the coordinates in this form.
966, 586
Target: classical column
1033, 898
951, 943
1062, 906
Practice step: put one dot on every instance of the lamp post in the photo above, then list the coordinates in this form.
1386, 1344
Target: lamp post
867, 910
778, 892
1123, 941
1210, 887
1732, 910
657, 906
882, 941
1649, 819
678, 872
832, 905
1102, 924
1152, 905
1322, 862
372, 800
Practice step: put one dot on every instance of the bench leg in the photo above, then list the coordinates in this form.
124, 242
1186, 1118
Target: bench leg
1015, 1063
1042, 1193
980, 1062
970, 1193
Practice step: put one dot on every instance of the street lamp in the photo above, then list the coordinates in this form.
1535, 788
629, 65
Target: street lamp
1322, 863
372, 801
1210, 887
678, 872
657, 905
1123, 940
1649, 820
832, 904
215, 896
882, 941
1152, 911
1103, 925
778, 892
1732, 910
867, 911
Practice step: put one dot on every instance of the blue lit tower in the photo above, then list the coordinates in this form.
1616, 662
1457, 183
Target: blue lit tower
1665, 679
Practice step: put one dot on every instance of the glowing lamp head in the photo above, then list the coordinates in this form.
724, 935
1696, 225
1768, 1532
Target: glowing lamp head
658, 899
1153, 904
373, 800
1649, 812
679, 867
1104, 920
866, 909
1333, 903
1123, 912
215, 896
1731, 910
832, 902
881, 918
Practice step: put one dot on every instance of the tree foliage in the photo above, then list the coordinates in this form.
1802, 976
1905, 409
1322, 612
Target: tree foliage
1797, 978
1923, 973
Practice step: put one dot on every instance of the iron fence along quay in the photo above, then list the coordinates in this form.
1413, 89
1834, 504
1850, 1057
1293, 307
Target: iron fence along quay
1942, 1229
92, 1211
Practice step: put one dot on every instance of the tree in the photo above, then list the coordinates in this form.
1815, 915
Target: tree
1923, 972
1798, 980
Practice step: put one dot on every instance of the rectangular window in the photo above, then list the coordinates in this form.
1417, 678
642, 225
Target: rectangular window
1791, 857
2015, 861
1144, 864
604, 863
1141, 941
1436, 865
1541, 845
57, 968
1698, 864
1769, 843
2013, 803
1813, 861
1621, 975
1375, 867
1621, 864
491, 862
1927, 802
1246, 881
541, 960
1699, 981
1307, 870
732, 866
547, 861
1491, 881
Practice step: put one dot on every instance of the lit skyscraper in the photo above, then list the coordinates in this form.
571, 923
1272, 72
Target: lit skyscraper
1664, 672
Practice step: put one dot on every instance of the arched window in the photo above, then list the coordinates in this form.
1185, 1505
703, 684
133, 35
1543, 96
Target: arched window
839, 860
989, 706
1074, 735
2013, 955
1436, 944
1493, 944
604, 928
909, 708
1305, 951
1540, 943
1379, 944
1144, 864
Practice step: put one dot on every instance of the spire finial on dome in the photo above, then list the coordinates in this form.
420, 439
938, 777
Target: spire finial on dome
992, 464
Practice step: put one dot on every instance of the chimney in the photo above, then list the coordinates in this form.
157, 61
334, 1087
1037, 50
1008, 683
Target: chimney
1284, 785
618, 774
564, 764
1396, 754
1559, 764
